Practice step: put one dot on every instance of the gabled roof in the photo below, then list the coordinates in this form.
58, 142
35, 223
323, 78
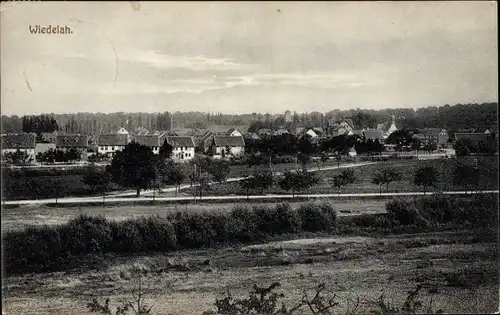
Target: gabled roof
19, 141
72, 141
299, 130
180, 141
222, 141
150, 140
373, 134
113, 139
431, 131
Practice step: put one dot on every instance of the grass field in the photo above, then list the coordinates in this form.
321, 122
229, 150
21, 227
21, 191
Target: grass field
458, 271
488, 167
19, 218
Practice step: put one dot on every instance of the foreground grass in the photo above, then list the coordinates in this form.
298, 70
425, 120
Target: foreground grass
50, 248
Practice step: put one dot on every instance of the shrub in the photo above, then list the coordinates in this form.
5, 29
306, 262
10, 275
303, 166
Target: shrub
317, 217
242, 224
277, 220
157, 233
404, 212
195, 229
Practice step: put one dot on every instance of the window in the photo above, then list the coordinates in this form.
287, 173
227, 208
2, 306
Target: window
113, 148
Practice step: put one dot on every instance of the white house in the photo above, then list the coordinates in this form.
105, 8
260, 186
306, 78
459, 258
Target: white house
226, 145
182, 148
153, 141
313, 133
23, 142
233, 132
112, 143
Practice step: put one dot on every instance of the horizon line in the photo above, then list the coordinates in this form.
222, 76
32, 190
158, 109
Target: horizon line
248, 113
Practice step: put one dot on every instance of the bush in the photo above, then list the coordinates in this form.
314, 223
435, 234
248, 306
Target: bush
195, 229
404, 212
277, 220
317, 217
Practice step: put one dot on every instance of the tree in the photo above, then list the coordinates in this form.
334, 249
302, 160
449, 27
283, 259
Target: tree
98, 181
219, 170
324, 158
248, 184
462, 147
203, 183
467, 175
345, 178
426, 176
305, 149
338, 157
176, 176
58, 188
297, 181
415, 145
166, 150
133, 167
386, 176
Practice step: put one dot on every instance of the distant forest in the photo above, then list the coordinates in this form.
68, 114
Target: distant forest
453, 118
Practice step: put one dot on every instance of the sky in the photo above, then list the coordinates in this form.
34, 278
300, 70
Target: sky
244, 57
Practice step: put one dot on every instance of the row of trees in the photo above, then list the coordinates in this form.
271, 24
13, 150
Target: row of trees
456, 117
51, 156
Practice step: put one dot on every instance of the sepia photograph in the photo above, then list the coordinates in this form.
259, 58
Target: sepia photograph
249, 158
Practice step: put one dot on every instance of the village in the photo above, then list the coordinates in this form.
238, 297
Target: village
186, 143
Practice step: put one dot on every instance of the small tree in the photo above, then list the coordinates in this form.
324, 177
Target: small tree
426, 176
248, 184
203, 183
462, 147
297, 181
338, 157
345, 178
416, 145
467, 175
219, 170
58, 188
98, 181
386, 176
176, 176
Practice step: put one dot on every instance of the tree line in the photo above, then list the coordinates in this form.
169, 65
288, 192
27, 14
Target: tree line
453, 118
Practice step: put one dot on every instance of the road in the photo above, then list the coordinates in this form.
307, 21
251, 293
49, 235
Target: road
87, 200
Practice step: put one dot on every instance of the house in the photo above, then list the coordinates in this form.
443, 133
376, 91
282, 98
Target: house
299, 131
42, 147
153, 141
374, 135
226, 145
313, 133
49, 136
288, 116
264, 132
432, 135
122, 131
352, 152
23, 142
205, 141
281, 131
387, 128
475, 138
73, 141
253, 136
111, 143
342, 127
182, 148
233, 132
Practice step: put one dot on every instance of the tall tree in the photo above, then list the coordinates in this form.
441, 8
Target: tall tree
133, 167
426, 176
